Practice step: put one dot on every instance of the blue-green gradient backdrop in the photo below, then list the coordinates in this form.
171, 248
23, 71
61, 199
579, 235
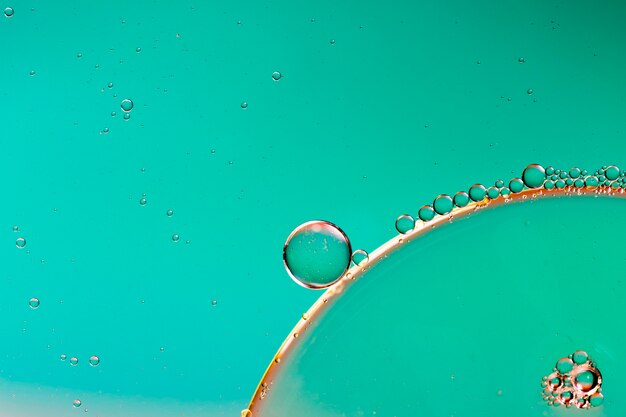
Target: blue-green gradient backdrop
381, 107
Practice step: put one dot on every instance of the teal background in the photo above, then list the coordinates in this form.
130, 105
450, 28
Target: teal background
396, 111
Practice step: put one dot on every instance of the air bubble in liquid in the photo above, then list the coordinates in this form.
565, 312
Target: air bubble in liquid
94, 360
360, 257
169, 213
127, 105
244, 104
405, 223
8, 12
143, 201
426, 213
477, 192
63, 356
20, 242
77, 403
461, 199
73, 361
443, 204
33, 303
534, 175
316, 254
612, 172
175, 237
276, 75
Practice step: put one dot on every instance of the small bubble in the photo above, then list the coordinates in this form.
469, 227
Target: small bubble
169, 213
360, 257
94, 360
405, 223
521, 60
316, 254
79, 55
73, 361
8, 12
33, 303
32, 72
213, 303
113, 114
105, 130
332, 41
175, 237
110, 85
138, 50
244, 104
126, 116
127, 105
443, 204
276, 75
426, 213
477, 192
16, 228
612, 172
77, 403
63, 356
564, 365
534, 175
20, 242
143, 201
162, 349
246, 413
461, 199
529, 91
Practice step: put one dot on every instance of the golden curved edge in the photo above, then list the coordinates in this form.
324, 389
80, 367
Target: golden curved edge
421, 227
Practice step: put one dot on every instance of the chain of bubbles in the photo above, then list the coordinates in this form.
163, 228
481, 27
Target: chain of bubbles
604, 180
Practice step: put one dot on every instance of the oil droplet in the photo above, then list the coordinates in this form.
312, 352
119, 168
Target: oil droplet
586, 381
77, 403
73, 361
33, 303
317, 254
461, 199
579, 357
127, 105
8, 12
564, 365
405, 223
426, 213
516, 185
143, 201
477, 192
443, 204
20, 242
244, 104
360, 257
534, 175
175, 237
169, 213
612, 172
63, 356
276, 75
94, 360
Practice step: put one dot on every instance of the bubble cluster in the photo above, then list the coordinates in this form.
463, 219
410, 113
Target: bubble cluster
607, 179
574, 381
317, 254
